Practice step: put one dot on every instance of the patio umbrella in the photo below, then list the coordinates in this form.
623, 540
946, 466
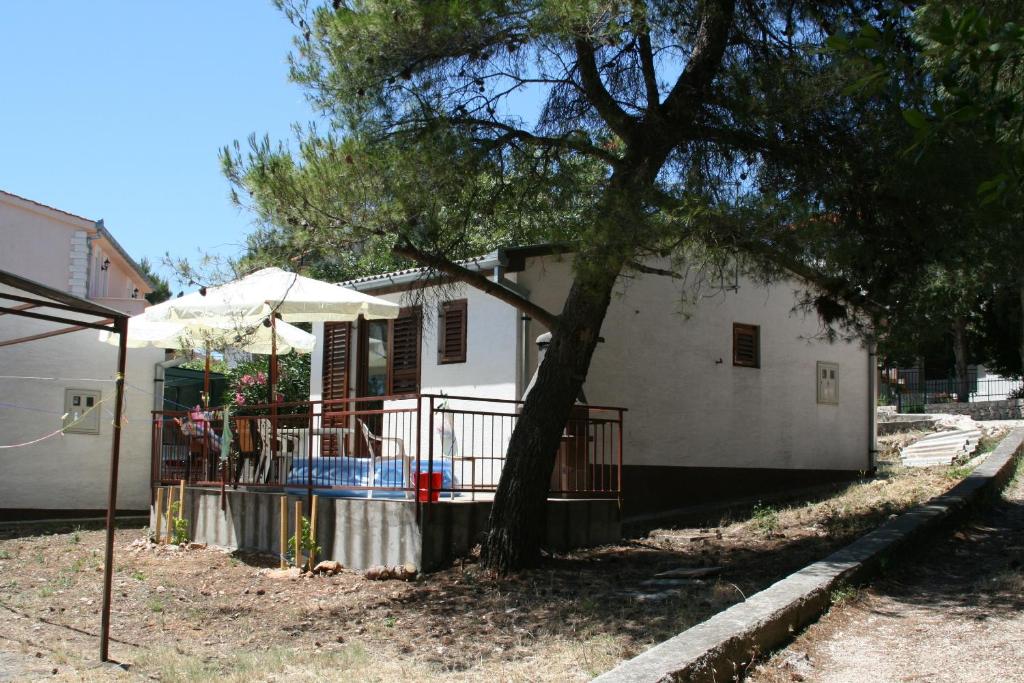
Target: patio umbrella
251, 336
274, 293
295, 298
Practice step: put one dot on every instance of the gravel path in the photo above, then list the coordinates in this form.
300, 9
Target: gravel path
953, 613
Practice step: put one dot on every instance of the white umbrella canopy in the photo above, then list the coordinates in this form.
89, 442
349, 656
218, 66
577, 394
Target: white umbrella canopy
295, 298
173, 334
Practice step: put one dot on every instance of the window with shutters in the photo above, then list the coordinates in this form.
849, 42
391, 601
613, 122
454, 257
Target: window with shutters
337, 342
404, 353
337, 347
451, 332
746, 345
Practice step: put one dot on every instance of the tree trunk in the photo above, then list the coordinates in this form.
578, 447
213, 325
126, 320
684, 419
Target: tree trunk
963, 384
1020, 347
518, 515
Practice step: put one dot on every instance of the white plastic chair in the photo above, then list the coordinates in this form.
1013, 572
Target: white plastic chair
372, 439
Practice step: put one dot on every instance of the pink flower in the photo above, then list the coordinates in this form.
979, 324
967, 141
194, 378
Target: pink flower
247, 380
239, 399
261, 377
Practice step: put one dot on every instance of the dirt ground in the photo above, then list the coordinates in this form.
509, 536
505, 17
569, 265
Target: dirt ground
208, 614
956, 613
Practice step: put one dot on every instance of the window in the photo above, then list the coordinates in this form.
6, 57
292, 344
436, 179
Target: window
337, 341
746, 345
405, 352
337, 345
451, 332
828, 382
81, 411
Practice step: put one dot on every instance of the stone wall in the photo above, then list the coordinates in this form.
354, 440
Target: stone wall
1012, 409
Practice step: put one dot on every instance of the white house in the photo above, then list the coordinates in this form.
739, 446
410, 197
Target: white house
739, 397
46, 382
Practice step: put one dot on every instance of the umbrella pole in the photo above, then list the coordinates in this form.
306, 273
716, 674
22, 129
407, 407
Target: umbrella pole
206, 377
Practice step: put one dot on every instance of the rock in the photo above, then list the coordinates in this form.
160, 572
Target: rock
160, 589
377, 573
327, 567
289, 573
196, 546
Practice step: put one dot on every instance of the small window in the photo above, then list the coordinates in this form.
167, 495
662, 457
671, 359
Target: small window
828, 383
81, 411
451, 332
746, 345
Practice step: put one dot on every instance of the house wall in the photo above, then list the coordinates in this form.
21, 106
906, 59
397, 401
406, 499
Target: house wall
689, 407
37, 243
490, 371
69, 472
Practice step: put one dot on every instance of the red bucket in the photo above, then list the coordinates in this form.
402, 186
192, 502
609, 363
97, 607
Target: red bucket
428, 486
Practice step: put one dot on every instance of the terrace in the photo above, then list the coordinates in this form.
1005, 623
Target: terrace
401, 478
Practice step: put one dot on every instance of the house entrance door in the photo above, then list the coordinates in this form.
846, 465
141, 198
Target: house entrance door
372, 372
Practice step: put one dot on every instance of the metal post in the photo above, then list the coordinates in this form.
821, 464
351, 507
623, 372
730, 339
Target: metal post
619, 494
121, 328
430, 457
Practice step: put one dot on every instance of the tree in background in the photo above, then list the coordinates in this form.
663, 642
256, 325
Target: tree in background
161, 288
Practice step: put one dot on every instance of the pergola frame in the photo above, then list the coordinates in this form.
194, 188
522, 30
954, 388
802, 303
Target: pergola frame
58, 306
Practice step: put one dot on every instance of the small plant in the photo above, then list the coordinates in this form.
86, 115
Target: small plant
765, 518
956, 473
45, 592
389, 622
5, 555
179, 534
76, 536
306, 541
138, 576
843, 593
155, 606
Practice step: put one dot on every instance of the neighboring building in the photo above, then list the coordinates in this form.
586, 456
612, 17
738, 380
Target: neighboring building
737, 398
46, 380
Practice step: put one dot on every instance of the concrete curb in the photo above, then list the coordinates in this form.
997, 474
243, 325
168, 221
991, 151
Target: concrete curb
719, 648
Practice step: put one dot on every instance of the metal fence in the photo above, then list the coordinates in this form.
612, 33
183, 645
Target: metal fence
427, 447
910, 390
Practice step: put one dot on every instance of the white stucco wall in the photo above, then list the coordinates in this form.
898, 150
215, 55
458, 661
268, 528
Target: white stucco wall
688, 409
70, 472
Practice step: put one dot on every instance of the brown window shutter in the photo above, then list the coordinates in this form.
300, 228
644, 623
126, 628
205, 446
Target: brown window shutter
405, 352
337, 345
451, 332
746, 345
337, 338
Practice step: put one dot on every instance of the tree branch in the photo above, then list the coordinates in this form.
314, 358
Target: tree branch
705, 60
647, 66
618, 120
477, 280
651, 270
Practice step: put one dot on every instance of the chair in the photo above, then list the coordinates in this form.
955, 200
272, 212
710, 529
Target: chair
248, 445
286, 445
372, 439
203, 445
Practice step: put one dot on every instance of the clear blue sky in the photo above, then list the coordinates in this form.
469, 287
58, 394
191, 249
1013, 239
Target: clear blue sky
116, 110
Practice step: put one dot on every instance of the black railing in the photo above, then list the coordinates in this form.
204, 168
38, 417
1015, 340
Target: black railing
910, 390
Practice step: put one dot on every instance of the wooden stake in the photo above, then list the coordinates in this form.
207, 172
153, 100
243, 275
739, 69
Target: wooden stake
298, 533
170, 508
312, 534
181, 500
284, 531
159, 511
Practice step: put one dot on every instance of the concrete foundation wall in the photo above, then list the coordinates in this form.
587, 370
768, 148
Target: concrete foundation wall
361, 533
1010, 409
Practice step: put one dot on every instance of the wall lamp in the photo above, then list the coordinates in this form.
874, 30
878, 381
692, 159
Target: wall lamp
106, 264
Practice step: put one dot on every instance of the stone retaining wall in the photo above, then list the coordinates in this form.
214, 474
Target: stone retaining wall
1011, 409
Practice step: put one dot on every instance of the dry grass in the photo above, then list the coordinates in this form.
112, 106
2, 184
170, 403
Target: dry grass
206, 615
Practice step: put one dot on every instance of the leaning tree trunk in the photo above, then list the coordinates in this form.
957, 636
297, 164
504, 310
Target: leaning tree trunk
1020, 348
518, 515
963, 385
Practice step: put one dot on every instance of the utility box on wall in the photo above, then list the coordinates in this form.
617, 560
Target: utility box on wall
828, 382
81, 411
